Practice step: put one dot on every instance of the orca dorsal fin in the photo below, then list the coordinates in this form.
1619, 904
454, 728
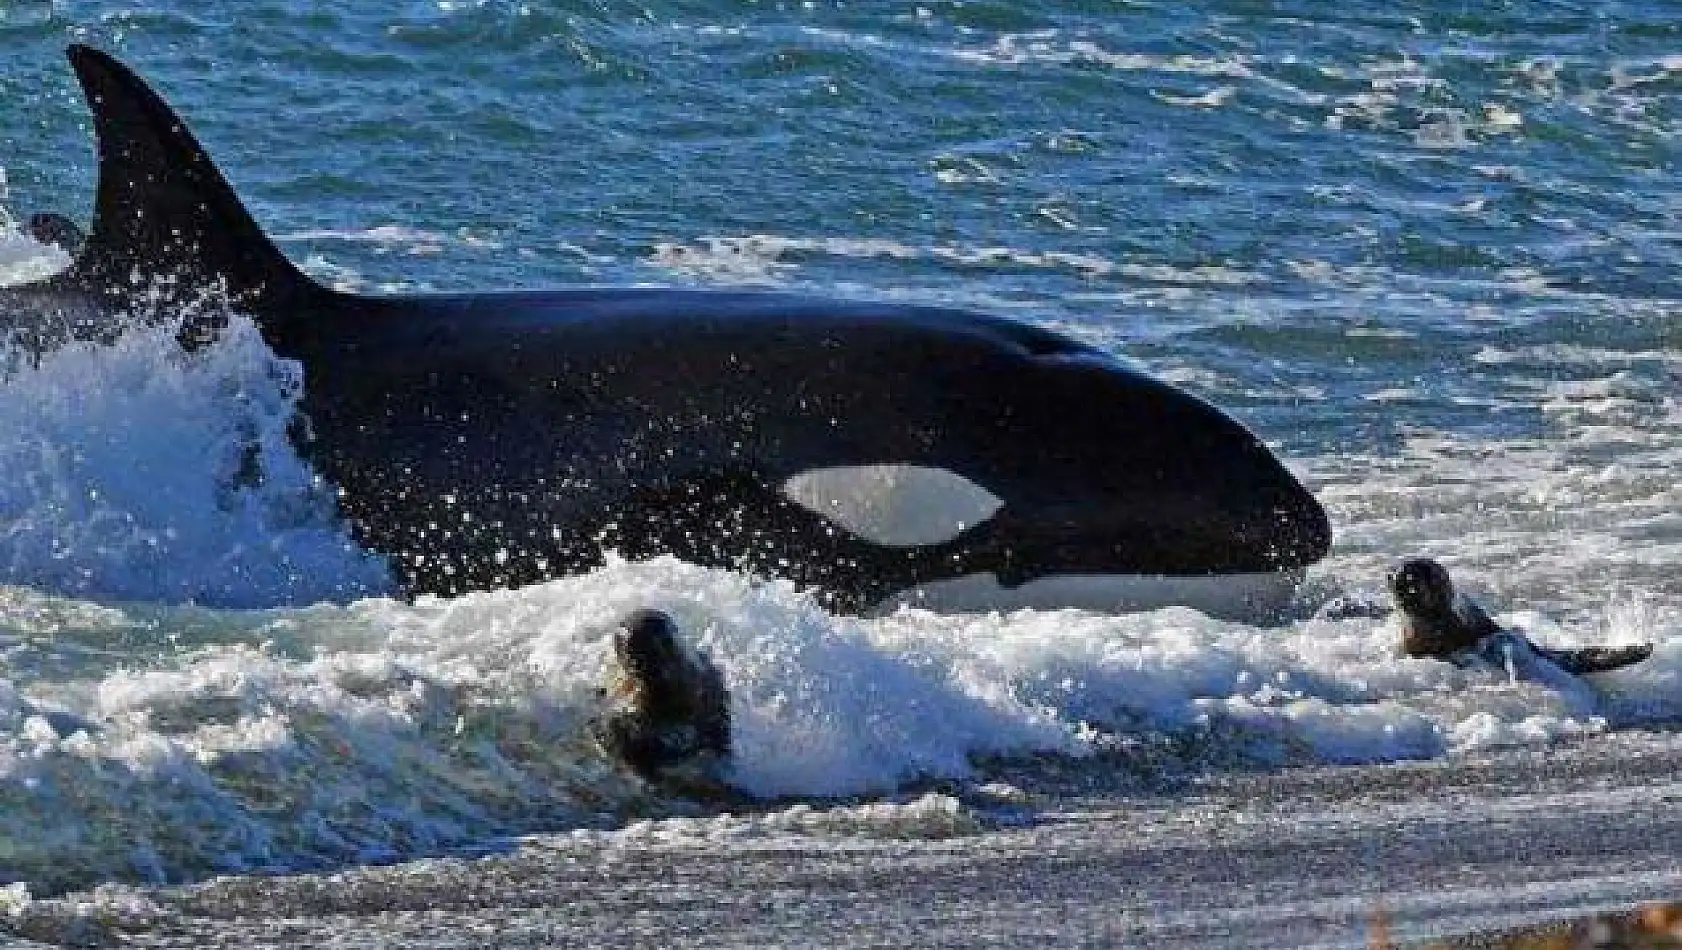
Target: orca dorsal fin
162, 209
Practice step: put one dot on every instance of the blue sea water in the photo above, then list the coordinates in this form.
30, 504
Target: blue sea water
1227, 187
1428, 251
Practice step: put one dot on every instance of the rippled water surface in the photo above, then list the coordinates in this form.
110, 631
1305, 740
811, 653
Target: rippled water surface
1428, 251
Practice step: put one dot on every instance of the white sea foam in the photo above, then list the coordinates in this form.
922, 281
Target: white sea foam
1049, 46
22, 259
384, 730
1557, 354
767, 258
96, 499
1213, 99
417, 242
136, 471
930, 816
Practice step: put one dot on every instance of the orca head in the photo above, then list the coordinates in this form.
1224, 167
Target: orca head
1067, 467
1103, 470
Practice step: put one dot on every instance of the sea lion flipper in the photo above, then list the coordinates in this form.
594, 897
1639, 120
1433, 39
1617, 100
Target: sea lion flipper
1478, 621
1597, 659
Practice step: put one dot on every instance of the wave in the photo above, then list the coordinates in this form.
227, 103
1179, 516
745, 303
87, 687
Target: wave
381, 730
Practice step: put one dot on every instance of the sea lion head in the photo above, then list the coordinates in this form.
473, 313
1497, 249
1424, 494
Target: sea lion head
646, 645
1422, 588
666, 704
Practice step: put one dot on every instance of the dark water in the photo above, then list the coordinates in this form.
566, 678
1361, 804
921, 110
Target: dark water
1426, 250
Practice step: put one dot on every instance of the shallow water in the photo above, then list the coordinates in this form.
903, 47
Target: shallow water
1428, 255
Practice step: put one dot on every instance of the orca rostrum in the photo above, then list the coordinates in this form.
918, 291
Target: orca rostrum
871, 451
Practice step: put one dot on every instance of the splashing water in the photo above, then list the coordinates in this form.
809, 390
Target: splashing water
136, 471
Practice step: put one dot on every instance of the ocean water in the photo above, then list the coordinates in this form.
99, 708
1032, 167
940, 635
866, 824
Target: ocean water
1427, 251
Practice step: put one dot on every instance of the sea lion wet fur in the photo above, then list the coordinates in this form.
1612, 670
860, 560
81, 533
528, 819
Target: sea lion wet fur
1438, 623
665, 704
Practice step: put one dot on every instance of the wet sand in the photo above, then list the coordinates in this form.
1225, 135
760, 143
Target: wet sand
1297, 858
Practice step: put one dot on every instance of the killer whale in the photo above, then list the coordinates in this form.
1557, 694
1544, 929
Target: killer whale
498, 439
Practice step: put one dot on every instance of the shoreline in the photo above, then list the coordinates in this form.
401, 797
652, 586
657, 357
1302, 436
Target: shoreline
1501, 848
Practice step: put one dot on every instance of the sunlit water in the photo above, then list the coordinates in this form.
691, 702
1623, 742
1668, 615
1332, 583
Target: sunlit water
1429, 257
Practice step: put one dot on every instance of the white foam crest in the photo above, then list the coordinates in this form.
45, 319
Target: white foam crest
349, 280
417, 728
763, 258
1213, 99
129, 470
416, 242
1382, 282
820, 706
386, 730
1402, 96
1628, 74
22, 258
1554, 354
1048, 47
828, 705
94, 918
1596, 502
931, 816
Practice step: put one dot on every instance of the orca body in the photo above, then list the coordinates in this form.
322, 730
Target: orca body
499, 439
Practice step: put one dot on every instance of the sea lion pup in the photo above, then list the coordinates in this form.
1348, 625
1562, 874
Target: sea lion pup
1440, 624
666, 704
47, 227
